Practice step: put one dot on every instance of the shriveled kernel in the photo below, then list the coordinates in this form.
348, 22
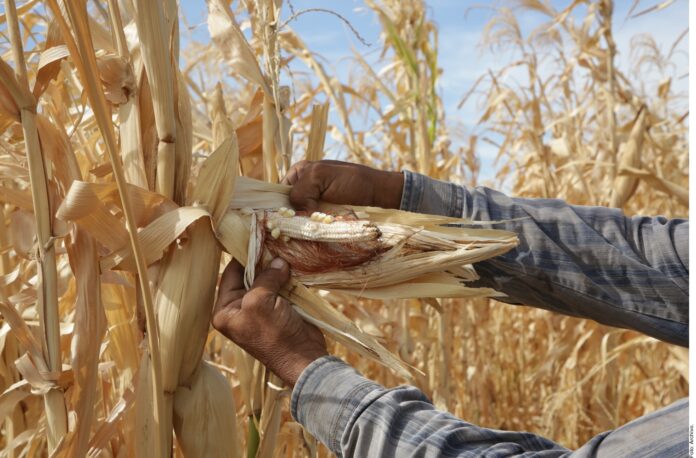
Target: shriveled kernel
303, 228
286, 212
275, 233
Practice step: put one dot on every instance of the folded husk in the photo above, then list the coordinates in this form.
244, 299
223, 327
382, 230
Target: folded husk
204, 416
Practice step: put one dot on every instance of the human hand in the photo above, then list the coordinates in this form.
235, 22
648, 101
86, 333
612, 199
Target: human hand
264, 324
342, 183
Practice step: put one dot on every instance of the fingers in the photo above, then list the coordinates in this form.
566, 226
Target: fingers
233, 276
306, 185
305, 195
235, 306
232, 283
229, 297
264, 292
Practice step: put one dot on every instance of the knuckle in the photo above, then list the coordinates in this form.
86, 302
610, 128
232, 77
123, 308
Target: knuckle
316, 168
220, 321
256, 297
218, 324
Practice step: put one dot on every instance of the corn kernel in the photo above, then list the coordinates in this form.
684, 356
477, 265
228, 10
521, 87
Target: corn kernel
275, 233
328, 219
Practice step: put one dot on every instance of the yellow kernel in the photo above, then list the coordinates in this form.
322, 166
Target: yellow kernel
328, 219
275, 233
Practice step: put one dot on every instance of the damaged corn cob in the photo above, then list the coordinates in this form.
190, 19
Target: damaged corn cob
371, 252
319, 227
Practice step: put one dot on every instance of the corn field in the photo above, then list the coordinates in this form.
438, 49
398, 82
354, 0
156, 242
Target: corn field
135, 164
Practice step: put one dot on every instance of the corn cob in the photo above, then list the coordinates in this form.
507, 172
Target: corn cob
320, 228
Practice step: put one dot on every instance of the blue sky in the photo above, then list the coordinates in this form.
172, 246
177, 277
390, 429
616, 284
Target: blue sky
460, 55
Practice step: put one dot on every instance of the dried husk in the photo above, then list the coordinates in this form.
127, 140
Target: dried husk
625, 185
204, 415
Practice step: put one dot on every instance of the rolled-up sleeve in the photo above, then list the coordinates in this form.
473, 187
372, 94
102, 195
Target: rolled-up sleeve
590, 262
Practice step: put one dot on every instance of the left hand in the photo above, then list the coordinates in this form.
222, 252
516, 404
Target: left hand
264, 324
342, 183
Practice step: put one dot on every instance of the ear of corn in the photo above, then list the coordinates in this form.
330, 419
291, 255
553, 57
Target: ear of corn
322, 229
203, 419
185, 296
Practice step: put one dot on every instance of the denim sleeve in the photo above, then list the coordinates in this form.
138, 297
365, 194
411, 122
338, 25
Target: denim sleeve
355, 417
590, 262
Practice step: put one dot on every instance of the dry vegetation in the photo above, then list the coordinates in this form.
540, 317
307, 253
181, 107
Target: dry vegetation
104, 131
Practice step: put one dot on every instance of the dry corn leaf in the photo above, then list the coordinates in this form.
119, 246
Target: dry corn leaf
227, 36
630, 156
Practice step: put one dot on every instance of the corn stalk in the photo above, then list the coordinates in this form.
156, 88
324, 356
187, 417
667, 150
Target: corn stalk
82, 52
56, 415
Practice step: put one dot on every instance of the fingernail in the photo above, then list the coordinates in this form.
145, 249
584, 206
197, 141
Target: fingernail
278, 263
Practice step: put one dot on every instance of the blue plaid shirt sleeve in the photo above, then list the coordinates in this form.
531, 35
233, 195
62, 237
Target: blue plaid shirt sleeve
591, 262
355, 417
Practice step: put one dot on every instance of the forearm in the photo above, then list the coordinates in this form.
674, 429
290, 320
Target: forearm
354, 416
585, 261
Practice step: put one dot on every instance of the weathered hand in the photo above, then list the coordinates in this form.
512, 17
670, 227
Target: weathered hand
342, 183
264, 324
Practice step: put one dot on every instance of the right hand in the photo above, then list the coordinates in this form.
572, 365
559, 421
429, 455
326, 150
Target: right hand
264, 324
342, 183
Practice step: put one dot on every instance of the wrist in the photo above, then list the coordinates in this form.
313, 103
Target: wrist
389, 190
290, 367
